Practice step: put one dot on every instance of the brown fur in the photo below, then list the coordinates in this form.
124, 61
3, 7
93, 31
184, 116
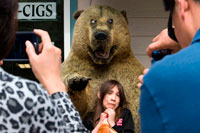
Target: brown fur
81, 64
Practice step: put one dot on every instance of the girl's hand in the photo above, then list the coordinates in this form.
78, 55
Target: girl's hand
111, 116
102, 118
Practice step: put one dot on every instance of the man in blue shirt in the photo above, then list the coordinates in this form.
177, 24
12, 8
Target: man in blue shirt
170, 90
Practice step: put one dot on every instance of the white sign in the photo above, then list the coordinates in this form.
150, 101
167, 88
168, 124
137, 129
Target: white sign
37, 10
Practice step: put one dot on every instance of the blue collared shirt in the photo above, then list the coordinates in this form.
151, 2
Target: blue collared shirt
170, 95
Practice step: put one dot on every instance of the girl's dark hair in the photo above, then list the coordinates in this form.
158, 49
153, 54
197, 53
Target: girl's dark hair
8, 24
105, 88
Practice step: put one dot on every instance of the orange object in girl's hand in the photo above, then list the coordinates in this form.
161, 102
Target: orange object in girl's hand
105, 128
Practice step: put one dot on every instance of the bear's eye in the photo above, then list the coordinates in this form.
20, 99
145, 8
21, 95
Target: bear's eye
110, 21
93, 21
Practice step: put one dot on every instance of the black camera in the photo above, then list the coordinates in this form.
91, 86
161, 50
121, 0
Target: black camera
159, 54
18, 52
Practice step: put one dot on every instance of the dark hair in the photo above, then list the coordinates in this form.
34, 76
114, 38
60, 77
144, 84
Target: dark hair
169, 4
105, 88
197, 0
8, 20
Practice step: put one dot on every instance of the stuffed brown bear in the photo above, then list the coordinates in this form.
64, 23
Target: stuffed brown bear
100, 51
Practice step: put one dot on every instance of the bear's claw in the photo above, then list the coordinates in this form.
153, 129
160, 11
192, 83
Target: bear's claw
78, 83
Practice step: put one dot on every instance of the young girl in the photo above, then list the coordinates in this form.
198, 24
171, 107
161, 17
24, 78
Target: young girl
111, 102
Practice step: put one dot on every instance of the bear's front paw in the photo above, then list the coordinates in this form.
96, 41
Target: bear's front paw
78, 83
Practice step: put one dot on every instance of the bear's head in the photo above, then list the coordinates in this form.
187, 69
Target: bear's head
101, 34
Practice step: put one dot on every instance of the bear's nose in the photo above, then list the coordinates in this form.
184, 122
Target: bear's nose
100, 35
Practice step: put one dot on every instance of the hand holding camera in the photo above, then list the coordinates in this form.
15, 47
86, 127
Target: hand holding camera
162, 41
159, 54
161, 45
47, 64
18, 52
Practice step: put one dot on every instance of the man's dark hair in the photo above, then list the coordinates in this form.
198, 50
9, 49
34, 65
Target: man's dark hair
169, 4
8, 20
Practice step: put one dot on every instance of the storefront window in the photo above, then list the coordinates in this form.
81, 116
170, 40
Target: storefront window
40, 14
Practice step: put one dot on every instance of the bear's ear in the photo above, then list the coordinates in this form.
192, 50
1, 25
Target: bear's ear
77, 14
124, 14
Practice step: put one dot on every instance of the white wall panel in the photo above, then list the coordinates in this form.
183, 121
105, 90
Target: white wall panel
146, 26
144, 60
138, 46
83, 4
66, 28
135, 8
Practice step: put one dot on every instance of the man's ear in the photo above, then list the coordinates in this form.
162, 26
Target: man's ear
77, 14
98, 95
184, 5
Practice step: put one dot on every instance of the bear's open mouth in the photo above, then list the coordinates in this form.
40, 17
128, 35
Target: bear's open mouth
99, 54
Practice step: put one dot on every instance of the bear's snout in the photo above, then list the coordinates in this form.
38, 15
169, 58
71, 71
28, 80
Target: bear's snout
101, 35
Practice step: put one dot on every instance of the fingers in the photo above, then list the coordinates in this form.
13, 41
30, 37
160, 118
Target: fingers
157, 43
145, 71
30, 50
110, 112
58, 51
44, 36
155, 39
140, 81
139, 85
141, 78
162, 41
103, 116
1, 62
40, 47
111, 116
152, 47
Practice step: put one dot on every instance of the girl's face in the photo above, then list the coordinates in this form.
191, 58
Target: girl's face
111, 99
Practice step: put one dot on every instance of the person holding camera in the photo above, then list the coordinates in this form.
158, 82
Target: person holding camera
170, 89
25, 106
